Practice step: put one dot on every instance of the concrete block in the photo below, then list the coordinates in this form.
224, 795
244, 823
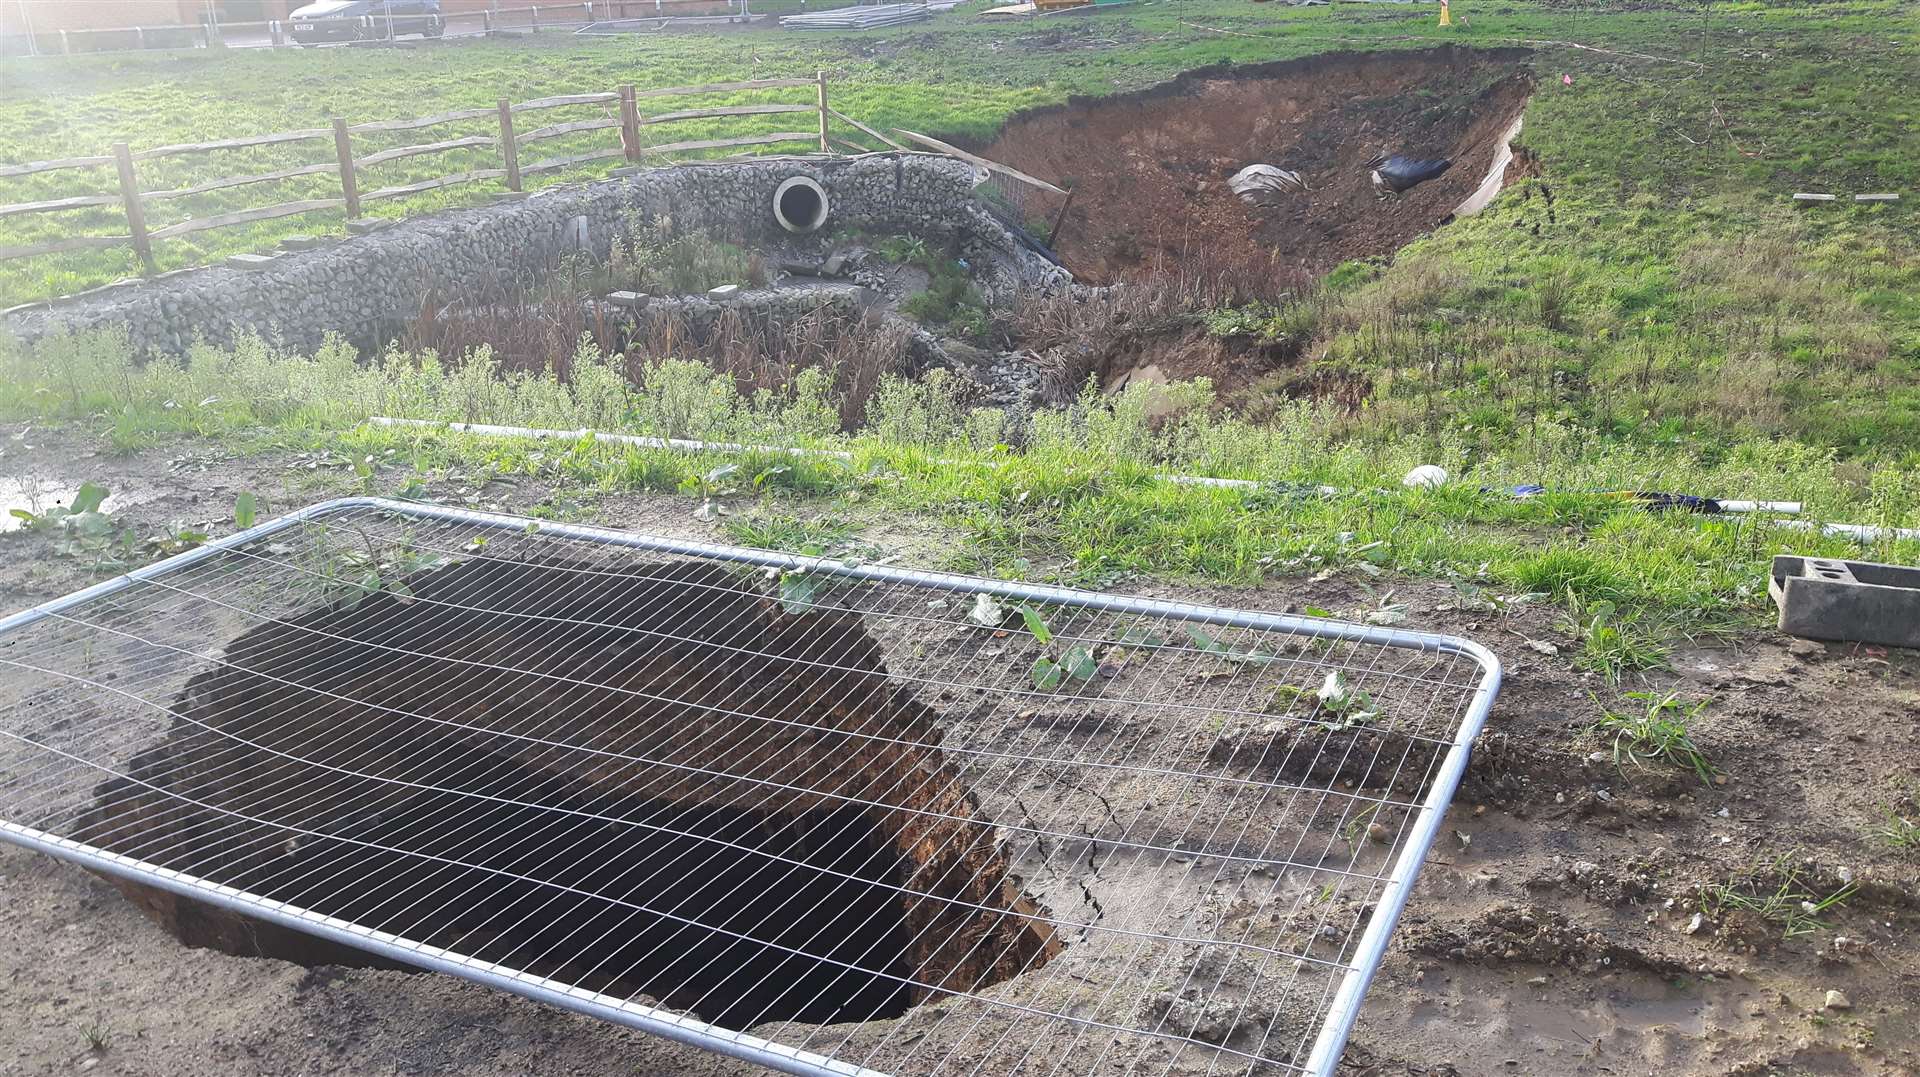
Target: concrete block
631, 300
251, 261
835, 264
1887, 197
1803, 197
724, 291
1849, 601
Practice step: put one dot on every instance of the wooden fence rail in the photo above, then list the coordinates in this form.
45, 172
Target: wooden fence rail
351, 167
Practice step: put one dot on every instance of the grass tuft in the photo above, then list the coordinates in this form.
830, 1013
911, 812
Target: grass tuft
1659, 729
1778, 894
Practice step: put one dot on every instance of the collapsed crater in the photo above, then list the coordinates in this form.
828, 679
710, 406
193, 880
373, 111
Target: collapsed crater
647, 780
1150, 170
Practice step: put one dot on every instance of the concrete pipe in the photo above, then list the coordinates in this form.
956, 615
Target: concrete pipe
800, 205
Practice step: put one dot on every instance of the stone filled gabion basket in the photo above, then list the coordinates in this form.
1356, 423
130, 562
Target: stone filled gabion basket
366, 287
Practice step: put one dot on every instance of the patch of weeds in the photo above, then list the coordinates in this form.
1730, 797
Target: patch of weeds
246, 509
1058, 665
710, 487
1660, 728
349, 575
649, 256
82, 529
951, 302
98, 1037
1348, 706
1613, 644
790, 533
1208, 645
1777, 894
1901, 828
907, 250
175, 538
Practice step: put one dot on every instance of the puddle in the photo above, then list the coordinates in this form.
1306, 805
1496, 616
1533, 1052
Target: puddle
35, 496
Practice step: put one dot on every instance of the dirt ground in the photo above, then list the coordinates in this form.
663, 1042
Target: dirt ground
1149, 170
1553, 930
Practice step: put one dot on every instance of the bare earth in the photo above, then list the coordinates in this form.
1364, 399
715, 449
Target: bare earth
1548, 935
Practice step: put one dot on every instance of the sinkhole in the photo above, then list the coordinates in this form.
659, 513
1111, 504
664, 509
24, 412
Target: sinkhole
646, 781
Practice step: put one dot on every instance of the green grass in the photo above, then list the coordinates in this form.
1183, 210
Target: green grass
775, 530
1657, 728
1900, 830
1778, 895
1676, 300
1078, 502
1673, 324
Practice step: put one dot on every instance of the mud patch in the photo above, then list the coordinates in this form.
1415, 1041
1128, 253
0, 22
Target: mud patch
1149, 170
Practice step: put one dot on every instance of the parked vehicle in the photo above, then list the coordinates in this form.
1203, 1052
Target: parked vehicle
365, 20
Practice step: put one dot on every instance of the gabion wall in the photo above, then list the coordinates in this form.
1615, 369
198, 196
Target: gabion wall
366, 286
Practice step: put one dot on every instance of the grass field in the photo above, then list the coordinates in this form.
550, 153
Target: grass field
1679, 325
1679, 293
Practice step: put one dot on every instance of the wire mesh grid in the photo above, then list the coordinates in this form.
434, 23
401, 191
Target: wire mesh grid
821, 816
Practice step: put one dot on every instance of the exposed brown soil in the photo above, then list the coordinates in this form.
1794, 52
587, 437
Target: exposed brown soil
1149, 169
1554, 939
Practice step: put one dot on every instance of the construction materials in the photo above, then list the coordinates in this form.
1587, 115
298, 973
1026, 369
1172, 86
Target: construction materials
857, 18
1848, 601
1399, 173
1265, 185
701, 789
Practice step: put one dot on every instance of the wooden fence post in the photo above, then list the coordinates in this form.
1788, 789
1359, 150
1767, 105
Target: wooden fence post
349, 184
509, 153
136, 214
822, 79
1054, 232
630, 123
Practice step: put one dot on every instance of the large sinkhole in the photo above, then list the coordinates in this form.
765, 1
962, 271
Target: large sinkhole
645, 781
1150, 170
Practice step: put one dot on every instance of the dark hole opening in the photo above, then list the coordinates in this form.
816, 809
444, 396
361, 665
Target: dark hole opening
801, 205
646, 840
770, 918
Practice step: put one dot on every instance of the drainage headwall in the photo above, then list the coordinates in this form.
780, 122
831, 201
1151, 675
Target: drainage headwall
366, 286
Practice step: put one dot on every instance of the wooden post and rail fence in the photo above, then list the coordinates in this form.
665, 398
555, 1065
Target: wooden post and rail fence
628, 118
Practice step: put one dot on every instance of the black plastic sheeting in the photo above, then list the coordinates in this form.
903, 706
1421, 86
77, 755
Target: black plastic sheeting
1402, 173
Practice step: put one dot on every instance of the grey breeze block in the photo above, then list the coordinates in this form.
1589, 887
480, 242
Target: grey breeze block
1852, 601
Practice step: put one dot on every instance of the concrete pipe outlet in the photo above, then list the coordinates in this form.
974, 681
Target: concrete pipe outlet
800, 204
